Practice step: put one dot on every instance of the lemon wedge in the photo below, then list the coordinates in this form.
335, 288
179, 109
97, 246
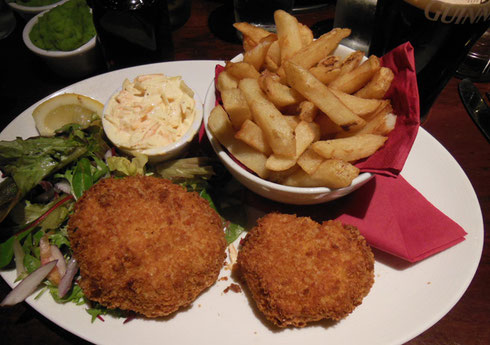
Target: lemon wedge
64, 109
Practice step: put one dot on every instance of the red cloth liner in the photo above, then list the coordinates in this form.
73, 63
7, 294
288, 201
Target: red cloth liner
392, 215
389, 160
395, 218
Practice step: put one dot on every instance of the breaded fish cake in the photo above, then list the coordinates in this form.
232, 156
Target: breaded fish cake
300, 271
145, 244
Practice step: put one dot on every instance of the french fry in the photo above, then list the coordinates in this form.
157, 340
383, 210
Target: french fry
306, 34
319, 94
272, 59
252, 135
256, 55
336, 173
384, 108
378, 85
241, 70
309, 161
248, 43
331, 173
292, 120
280, 176
351, 62
327, 69
288, 34
317, 50
226, 81
236, 106
275, 127
279, 94
221, 127
330, 61
305, 134
359, 106
352, 81
307, 111
328, 128
254, 33
382, 124
279, 163
349, 149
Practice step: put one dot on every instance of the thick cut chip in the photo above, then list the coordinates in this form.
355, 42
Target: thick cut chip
309, 161
236, 106
275, 127
379, 85
331, 173
288, 34
319, 49
319, 94
349, 149
360, 106
279, 94
221, 127
354, 80
226, 81
256, 55
241, 70
252, 135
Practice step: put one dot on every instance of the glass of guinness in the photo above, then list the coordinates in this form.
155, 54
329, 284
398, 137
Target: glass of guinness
442, 33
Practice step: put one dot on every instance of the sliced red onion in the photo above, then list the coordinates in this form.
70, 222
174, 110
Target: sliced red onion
28, 285
19, 257
63, 186
66, 281
56, 255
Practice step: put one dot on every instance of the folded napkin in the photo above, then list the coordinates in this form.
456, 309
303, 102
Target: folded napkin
392, 215
395, 218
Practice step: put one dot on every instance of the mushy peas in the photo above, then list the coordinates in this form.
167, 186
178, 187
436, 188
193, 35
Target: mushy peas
65, 27
152, 111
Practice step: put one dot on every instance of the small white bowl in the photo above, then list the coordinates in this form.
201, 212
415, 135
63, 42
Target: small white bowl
27, 12
72, 64
268, 189
160, 154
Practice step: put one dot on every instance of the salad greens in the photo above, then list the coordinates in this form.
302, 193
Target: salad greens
44, 176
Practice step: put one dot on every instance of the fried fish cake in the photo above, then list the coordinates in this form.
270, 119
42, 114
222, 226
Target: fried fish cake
300, 271
145, 244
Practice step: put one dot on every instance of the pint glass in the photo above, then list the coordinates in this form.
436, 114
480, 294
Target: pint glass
260, 12
441, 31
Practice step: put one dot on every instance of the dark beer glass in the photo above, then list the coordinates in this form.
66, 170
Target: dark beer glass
132, 32
441, 31
260, 12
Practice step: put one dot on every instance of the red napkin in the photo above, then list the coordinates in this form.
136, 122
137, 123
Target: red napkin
392, 215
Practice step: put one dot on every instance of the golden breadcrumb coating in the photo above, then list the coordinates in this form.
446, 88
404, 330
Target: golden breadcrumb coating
145, 244
300, 271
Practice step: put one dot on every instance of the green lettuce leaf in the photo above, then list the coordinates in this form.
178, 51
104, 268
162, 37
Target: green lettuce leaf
124, 167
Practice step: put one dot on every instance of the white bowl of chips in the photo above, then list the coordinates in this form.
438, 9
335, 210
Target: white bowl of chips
268, 189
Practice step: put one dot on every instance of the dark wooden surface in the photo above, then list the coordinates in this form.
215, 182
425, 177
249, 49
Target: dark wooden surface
24, 79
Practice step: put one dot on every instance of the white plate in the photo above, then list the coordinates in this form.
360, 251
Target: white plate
405, 300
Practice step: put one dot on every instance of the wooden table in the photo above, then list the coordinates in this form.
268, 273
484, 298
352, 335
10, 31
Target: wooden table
207, 35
